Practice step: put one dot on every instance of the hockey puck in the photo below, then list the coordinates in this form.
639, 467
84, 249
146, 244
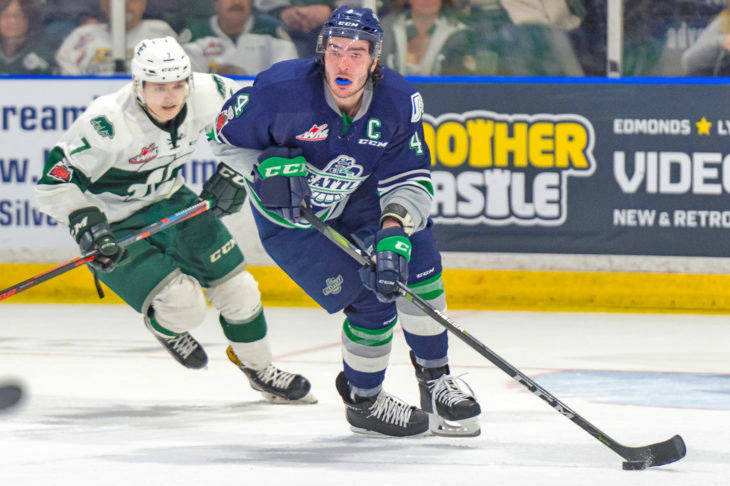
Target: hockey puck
10, 394
634, 465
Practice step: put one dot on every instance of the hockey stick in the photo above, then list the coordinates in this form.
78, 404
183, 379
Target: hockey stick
160, 225
636, 457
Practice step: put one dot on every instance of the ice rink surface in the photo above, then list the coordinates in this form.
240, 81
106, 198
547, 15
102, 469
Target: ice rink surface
106, 405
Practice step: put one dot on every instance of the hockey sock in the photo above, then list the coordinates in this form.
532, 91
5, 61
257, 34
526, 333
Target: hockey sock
248, 340
427, 338
365, 354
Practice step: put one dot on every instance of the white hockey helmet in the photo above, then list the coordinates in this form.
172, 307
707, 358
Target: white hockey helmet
160, 60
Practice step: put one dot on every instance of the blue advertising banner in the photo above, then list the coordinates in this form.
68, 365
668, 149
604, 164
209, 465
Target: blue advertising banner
593, 168
633, 167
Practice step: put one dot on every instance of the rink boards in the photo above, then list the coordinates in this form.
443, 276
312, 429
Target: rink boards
549, 194
465, 289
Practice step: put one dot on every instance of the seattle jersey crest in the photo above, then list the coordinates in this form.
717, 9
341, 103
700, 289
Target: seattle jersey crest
339, 178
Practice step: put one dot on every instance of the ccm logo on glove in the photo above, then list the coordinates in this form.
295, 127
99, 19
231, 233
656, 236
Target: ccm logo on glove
278, 166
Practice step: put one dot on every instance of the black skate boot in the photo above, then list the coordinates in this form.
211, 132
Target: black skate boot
456, 412
382, 415
183, 347
275, 385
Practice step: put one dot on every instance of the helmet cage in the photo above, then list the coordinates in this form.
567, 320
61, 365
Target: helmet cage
375, 40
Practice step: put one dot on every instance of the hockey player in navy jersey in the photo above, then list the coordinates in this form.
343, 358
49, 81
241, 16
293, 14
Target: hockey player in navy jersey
343, 134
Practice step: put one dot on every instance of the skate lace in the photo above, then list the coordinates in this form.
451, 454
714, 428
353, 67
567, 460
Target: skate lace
183, 344
275, 377
445, 389
391, 410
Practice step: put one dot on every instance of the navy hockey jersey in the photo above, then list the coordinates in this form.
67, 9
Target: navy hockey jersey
290, 105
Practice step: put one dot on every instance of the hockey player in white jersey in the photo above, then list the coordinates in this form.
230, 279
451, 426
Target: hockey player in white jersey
117, 170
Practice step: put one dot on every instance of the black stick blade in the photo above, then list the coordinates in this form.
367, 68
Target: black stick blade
657, 454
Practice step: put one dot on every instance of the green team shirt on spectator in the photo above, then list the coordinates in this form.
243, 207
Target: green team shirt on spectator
32, 58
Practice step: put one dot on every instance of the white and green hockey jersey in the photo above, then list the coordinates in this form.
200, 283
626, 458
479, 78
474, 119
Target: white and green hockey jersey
116, 158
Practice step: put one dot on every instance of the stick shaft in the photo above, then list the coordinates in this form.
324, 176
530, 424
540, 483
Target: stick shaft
160, 225
366, 260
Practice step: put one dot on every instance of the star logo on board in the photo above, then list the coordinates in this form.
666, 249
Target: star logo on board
703, 126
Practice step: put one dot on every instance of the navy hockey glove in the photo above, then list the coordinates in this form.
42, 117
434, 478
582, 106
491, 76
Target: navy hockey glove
283, 186
227, 188
91, 231
392, 254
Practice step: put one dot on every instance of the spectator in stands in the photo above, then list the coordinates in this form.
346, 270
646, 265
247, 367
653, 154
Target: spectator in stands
427, 38
179, 14
21, 47
656, 35
525, 37
237, 40
589, 39
88, 49
561, 14
303, 19
677, 24
62, 16
710, 54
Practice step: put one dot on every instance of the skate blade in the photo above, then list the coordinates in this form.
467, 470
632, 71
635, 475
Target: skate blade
448, 428
378, 435
307, 399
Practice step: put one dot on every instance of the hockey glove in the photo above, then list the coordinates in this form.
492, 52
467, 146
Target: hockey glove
91, 231
283, 187
227, 188
392, 253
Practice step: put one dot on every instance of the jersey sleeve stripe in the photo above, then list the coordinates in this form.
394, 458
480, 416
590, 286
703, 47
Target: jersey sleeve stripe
425, 186
406, 175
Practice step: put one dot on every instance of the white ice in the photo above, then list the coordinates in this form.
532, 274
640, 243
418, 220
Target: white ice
106, 405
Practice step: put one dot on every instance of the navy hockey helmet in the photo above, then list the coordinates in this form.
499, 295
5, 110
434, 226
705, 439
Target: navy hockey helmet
352, 23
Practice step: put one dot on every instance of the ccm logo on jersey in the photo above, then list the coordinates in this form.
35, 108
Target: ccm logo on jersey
148, 153
227, 246
61, 172
315, 134
373, 143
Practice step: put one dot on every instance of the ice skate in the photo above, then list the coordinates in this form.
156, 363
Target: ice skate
451, 411
381, 415
183, 347
275, 385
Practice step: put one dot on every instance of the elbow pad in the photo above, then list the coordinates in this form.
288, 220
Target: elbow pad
400, 214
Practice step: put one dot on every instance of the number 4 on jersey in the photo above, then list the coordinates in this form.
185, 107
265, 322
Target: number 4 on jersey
415, 144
